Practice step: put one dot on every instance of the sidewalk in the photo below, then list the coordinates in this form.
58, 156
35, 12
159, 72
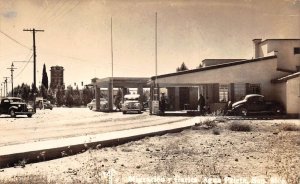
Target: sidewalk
51, 149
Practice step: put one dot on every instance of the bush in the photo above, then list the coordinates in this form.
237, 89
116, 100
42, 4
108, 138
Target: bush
216, 131
290, 127
27, 179
241, 127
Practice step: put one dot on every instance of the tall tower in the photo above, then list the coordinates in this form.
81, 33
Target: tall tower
57, 78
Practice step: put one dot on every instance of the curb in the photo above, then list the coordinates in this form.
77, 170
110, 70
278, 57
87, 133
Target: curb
39, 155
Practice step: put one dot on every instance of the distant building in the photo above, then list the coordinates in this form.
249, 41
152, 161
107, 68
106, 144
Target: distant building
57, 78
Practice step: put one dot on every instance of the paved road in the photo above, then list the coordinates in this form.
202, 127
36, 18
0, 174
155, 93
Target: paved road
69, 122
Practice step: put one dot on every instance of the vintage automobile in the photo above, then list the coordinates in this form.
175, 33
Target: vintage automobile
132, 104
255, 104
44, 103
103, 104
47, 104
15, 106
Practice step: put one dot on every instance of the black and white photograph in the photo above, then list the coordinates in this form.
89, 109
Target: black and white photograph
150, 91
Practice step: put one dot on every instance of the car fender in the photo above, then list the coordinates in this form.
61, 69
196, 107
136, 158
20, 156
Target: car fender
239, 106
12, 107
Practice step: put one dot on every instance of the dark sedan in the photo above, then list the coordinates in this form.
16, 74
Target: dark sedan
255, 104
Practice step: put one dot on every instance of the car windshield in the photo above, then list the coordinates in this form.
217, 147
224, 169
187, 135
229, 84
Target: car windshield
16, 100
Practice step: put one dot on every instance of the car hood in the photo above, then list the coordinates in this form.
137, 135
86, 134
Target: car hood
238, 103
17, 103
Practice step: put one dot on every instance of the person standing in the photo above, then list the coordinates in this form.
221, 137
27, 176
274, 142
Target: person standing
201, 103
162, 103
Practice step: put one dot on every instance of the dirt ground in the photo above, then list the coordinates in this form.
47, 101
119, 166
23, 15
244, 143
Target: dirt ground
208, 153
70, 122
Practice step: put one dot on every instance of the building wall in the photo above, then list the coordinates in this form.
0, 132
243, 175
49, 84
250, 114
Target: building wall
57, 77
293, 96
285, 52
257, 72
280, 94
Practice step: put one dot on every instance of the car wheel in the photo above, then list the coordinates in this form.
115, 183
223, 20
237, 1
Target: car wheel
124, 112
243, 112
51, 109
12, 113
90, 107
29, 115
139, 112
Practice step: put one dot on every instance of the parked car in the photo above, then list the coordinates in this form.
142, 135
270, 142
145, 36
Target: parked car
132, 104
255, 104
103, 104
44, 103
15, 106
47, 104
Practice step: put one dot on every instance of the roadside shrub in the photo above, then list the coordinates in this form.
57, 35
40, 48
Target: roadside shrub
241, 127
290, 127
216, 131
27, 179
210, 124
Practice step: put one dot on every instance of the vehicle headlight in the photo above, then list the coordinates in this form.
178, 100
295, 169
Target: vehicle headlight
19, 105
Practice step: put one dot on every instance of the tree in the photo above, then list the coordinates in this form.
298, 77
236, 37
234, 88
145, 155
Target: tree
45, 77
200, 65
43, 92
182, 67
87, 95
60, 100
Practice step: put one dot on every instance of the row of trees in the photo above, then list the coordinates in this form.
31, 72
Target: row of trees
70, 97
183, 67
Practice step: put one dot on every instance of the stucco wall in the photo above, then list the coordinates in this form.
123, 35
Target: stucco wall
280, 94
285, 55
293, 96
257, 72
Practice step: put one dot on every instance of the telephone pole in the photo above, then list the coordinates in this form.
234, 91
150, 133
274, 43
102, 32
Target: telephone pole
1, 90
5, 82
12, 78
34, 61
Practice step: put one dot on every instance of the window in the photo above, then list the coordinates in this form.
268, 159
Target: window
297, 50
239, 91
253, 89
223, 92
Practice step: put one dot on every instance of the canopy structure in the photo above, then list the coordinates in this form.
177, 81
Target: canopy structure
118, 82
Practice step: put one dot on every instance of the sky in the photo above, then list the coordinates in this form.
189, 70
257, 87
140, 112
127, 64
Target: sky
77, 34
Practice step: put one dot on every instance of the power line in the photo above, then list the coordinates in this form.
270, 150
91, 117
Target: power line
24, 67
11, 38
62, 14
46, 12
55, 12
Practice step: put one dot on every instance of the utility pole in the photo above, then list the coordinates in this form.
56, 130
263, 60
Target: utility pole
12, 78
112, 62
34, 62
1, 90
5, 82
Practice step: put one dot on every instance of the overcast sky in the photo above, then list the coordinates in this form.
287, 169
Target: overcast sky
77, 34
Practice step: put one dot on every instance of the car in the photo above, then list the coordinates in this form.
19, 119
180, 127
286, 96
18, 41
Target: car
103, 104
132, 104
44, 103
47, 104
15, 106
255, 104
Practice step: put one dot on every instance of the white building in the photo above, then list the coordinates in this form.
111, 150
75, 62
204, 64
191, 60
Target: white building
272, 72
